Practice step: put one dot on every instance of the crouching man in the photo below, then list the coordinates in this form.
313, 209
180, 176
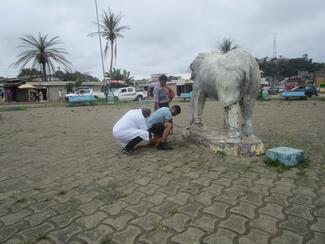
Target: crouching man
160, 123
131, 129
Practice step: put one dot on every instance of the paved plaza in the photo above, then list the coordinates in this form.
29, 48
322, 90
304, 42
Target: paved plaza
64, 179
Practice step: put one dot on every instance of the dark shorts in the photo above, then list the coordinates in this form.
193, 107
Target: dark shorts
160, 105
157, 128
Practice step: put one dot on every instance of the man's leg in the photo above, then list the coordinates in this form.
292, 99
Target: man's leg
167, 130
132, 143
163, 145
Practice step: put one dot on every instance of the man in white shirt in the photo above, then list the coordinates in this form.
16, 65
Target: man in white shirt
131, 129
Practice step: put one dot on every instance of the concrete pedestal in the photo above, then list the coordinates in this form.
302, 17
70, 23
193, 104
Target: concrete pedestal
217, 141
286, 155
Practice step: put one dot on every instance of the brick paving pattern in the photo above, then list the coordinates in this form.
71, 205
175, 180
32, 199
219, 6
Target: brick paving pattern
63, 179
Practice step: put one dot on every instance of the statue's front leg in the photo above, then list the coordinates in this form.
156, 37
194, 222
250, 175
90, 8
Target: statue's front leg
198, 101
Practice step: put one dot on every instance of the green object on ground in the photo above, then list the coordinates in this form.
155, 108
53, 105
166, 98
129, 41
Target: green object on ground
110, 97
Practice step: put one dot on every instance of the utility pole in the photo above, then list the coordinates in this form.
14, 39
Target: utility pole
275, 60
100, 44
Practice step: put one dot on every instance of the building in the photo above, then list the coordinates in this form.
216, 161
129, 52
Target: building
38, 90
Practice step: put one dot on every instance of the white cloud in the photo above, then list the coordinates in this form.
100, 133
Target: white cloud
165, 35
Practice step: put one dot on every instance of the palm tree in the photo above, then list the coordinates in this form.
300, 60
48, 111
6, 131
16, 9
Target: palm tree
226, 45
42, 51
111, 29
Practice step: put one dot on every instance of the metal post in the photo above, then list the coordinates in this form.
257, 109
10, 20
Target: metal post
100, 42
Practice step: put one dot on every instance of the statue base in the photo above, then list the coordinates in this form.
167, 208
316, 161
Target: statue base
217, 141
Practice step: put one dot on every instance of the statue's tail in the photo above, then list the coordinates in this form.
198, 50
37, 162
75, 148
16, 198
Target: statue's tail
245, 89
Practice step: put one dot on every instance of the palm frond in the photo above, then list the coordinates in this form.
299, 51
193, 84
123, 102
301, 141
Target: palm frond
110, 29
41, 51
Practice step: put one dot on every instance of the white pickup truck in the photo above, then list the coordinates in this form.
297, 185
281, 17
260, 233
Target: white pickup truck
129, 94
85, 92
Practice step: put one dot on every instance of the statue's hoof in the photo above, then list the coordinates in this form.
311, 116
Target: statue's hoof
253, 138
234, 140
197, 126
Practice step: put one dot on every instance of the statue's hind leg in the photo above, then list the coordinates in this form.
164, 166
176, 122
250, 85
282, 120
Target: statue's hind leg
247, 105
198, 101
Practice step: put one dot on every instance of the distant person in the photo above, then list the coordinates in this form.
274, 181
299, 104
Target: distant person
40, 96
1, 95
160, 123
131, 129
162, 93
60, 96
8, 95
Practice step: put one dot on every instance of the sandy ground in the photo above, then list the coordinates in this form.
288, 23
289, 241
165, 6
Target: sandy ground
72, 130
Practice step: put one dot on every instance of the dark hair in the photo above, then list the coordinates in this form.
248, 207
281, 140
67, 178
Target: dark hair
146, 112
177, 109
163, 78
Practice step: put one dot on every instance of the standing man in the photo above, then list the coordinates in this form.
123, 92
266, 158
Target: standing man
160, 123
162, 94
131, 129
60, 95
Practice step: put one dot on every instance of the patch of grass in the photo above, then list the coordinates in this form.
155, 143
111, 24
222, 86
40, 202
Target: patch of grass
280, 168
122, 195
221, 154
301, 172
62, 192
246, 191
246, 168
174, 211
304, 163
42, 236
21, 200
13, 108
226, 169
107, 239
28, 242
47, 199
158, 225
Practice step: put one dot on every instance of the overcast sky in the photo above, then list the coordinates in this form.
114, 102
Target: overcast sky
165, 35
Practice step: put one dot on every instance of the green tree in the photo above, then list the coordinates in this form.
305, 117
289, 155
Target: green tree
111, 29
118, 74
28, 73
78, 82
226, 45
73, 76
42, 51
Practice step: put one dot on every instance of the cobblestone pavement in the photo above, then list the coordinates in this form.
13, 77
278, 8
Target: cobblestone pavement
63, 179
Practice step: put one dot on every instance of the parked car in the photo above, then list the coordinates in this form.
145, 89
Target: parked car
311, 90
270, 90
85, 92
129, 94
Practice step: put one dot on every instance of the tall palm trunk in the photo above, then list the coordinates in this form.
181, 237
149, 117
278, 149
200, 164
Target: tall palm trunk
112, 49
44, 71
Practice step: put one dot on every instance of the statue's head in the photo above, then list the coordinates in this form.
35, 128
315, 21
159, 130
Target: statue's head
196, 64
